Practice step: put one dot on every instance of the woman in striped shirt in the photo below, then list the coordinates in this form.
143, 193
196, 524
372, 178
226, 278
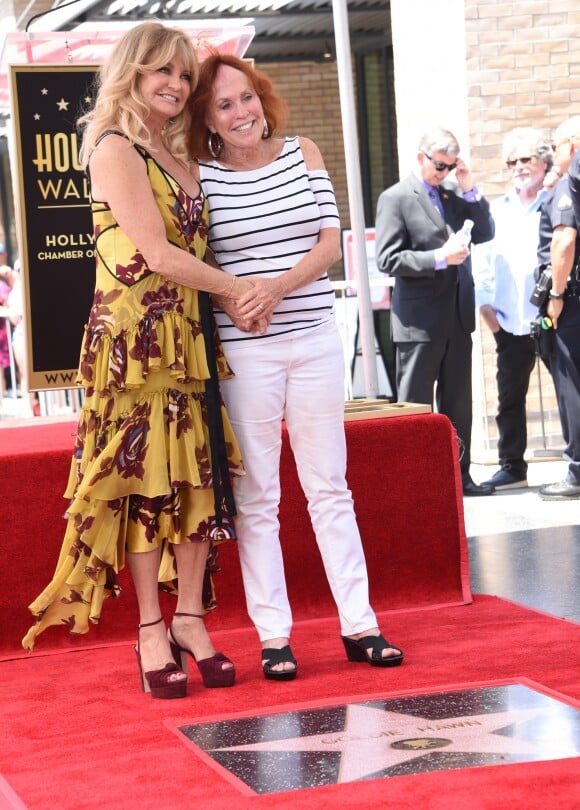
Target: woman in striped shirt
274, 221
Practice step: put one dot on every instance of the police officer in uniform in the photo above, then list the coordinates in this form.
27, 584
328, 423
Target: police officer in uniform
559, 246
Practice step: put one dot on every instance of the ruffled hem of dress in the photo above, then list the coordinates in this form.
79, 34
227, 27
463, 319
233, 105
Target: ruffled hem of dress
91, 557
164, 340
146, 443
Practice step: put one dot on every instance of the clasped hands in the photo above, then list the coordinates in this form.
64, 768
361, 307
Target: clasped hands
255, 300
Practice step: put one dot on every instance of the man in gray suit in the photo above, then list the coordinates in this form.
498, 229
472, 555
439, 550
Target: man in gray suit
422, 240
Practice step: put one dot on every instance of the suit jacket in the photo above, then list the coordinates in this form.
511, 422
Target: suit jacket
408, 230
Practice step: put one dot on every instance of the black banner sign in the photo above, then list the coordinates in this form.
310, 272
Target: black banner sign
56, 234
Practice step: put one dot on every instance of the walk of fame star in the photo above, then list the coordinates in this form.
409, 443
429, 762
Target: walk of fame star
390, 737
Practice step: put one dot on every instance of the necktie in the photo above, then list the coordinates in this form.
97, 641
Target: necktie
436, 200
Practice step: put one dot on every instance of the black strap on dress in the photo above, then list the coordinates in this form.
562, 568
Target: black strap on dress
222, 486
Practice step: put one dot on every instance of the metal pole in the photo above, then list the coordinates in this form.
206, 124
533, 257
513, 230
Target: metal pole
351, 148
538, 369
544, 452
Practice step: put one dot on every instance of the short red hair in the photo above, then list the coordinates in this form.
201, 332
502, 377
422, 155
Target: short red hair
275, 109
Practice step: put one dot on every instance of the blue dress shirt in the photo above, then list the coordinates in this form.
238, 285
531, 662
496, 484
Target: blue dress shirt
503, 269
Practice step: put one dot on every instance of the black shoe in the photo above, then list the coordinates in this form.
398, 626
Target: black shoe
271, 657
357, 650
471, 489
562, 491
504, 479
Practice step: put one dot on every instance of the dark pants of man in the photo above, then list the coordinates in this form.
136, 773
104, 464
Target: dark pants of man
382, 324
444, 366
565, 365
516, 358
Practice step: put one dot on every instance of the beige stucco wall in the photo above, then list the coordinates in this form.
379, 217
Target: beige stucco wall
429, 50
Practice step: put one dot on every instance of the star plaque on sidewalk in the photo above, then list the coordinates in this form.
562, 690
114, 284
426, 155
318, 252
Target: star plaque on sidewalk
373, 739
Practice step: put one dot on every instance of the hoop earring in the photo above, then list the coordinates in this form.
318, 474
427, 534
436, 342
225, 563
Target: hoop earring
266, 130
215, 144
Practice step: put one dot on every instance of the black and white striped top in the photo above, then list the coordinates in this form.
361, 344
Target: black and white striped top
262, 222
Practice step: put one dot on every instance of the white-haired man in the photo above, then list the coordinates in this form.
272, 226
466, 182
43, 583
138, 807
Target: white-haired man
503, 270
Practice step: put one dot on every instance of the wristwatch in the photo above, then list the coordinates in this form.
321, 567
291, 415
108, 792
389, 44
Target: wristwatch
555, 296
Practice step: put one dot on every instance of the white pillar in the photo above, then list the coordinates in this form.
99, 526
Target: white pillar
353, 177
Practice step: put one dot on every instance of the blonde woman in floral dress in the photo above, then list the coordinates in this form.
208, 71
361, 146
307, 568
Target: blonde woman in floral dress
154, 450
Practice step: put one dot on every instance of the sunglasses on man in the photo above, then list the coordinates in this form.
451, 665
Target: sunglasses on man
525, 160
439, 165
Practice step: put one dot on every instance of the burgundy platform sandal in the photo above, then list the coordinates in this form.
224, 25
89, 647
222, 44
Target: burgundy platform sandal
160, 682
211, 669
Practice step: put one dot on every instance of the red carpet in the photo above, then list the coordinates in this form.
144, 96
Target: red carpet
77, 733
404, 476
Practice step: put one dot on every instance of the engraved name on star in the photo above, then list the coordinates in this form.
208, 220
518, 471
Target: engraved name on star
373, 740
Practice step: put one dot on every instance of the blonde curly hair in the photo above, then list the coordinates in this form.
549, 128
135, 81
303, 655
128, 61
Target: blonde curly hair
120, 106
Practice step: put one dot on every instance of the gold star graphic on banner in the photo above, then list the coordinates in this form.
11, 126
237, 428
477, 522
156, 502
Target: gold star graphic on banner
62, 105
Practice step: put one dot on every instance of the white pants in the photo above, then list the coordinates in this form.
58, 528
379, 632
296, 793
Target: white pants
299, 379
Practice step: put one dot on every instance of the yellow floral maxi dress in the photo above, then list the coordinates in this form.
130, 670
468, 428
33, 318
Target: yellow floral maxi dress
154, 448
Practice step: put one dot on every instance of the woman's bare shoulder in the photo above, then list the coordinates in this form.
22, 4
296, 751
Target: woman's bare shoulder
312, 155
